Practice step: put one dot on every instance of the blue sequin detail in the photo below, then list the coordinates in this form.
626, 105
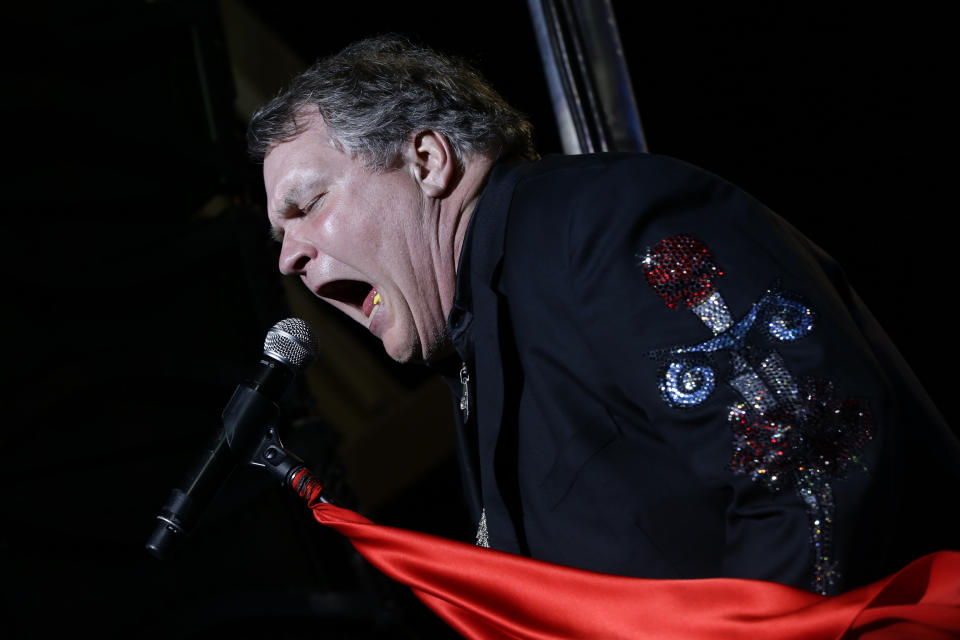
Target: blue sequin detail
788, 318
684, 384
782, 315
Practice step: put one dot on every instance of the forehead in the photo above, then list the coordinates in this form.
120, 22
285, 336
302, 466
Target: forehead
307, 146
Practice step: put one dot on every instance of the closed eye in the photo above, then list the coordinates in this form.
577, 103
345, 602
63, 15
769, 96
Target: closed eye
314, 202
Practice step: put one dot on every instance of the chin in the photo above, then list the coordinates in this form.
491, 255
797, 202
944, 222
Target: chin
411, 350
403, 351
405, 358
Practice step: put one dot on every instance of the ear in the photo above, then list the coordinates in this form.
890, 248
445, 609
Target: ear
432, 161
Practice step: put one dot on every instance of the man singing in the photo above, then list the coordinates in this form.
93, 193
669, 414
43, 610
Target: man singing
653, 374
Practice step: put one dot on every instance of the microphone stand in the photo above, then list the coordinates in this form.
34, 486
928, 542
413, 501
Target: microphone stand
249, 436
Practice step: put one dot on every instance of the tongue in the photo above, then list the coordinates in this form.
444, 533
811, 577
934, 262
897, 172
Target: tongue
368, 302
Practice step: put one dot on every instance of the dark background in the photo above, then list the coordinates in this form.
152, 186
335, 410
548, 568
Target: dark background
141, 280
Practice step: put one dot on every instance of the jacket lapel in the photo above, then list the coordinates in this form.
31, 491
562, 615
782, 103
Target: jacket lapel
490, 396
487, 248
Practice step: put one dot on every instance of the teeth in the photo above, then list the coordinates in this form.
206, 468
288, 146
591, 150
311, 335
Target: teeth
375, 310
376, 298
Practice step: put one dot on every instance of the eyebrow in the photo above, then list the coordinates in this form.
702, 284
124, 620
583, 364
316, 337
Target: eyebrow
291, 200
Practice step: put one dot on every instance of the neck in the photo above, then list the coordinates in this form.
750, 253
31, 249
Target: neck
456, 212
475, 178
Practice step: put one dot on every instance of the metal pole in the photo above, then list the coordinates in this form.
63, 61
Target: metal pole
587, 76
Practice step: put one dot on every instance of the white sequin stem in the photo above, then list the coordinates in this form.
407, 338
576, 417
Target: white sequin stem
774, 371
714, 313
817, 494
754, 392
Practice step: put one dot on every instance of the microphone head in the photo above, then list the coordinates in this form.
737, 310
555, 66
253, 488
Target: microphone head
293, 343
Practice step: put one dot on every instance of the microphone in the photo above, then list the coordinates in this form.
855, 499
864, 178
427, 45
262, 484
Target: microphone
287, 350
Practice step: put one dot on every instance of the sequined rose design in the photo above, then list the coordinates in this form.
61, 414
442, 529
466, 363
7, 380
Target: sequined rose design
681, 270
820, 435
787, 432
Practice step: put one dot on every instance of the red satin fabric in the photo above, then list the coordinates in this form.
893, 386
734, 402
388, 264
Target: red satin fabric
486, 594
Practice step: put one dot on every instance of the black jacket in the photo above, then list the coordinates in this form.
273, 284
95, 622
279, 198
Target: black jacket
611, 432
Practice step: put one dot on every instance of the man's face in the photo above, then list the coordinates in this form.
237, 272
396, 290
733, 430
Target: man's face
363, 241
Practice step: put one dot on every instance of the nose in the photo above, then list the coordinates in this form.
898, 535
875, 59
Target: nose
295, 255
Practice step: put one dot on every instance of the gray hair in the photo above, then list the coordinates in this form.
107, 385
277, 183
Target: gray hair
377, 92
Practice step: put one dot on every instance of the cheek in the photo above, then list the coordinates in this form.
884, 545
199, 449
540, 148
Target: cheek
344, 227
367, 236
379, 226
381, 218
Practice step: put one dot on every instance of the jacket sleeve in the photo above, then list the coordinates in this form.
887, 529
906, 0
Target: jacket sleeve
734, 348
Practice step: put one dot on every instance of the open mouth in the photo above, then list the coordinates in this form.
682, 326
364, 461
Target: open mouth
355, 293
